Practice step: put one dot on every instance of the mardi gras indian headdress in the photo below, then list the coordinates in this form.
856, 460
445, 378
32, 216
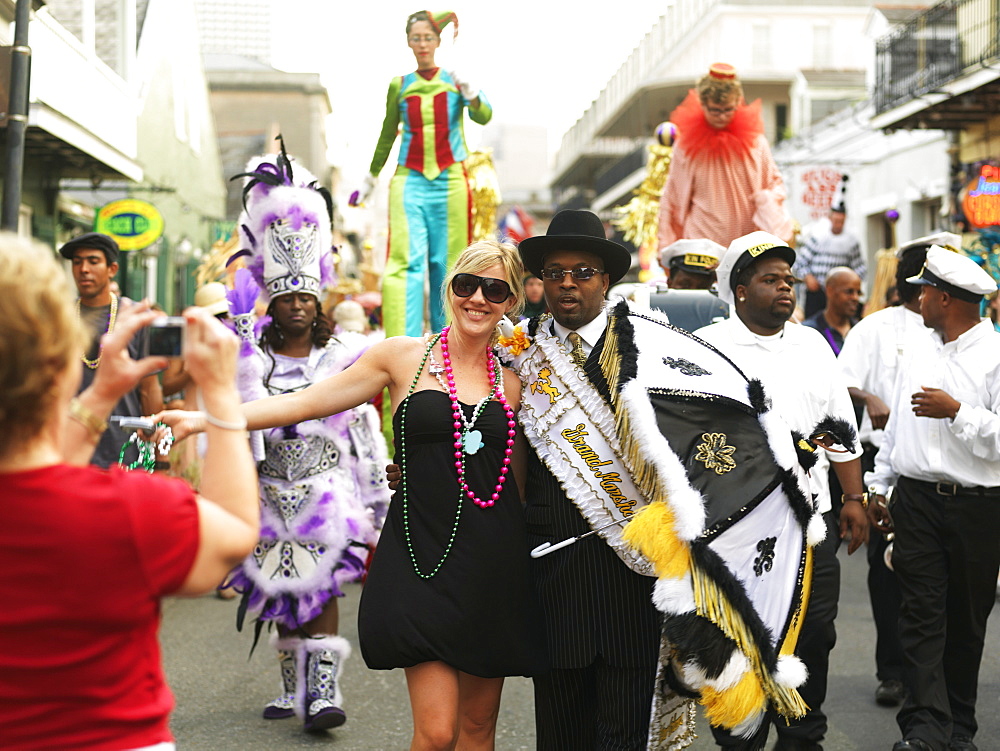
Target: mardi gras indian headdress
285, 227
285, 233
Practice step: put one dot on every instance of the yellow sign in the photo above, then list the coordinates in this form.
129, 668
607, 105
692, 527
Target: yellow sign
133, 224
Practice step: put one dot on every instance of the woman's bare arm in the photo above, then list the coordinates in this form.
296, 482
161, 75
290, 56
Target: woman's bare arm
359, 383
228, 513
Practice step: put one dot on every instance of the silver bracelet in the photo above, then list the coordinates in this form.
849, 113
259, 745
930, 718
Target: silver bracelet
213, 420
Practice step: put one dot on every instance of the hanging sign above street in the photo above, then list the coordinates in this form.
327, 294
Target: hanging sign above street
134, 224
981, 204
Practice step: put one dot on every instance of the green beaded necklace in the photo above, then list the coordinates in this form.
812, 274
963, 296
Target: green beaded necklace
147, 455
402, 468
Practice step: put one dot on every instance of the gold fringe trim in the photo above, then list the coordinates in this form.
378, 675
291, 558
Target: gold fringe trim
730, 707
610, 362
711, 603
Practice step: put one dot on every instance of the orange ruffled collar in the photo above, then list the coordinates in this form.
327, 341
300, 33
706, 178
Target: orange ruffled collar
735, 141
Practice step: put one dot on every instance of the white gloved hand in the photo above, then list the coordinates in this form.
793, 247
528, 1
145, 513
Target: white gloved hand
465, 88
360, 197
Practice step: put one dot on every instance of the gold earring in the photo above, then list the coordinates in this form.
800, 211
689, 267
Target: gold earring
743, 299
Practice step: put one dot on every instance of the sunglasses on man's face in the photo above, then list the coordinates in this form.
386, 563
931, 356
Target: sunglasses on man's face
583, 272
494, 290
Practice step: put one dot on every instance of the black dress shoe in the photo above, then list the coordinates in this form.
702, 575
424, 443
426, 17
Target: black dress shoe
890, 693
911, 744
962, 743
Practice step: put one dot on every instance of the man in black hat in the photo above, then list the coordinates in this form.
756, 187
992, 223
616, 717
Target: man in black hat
620, 410
95, 263
603, 630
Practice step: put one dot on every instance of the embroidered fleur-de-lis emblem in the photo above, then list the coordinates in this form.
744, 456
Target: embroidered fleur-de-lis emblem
686, 367
715, 454
765, 560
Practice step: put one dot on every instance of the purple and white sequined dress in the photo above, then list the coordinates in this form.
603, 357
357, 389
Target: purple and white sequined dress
322, 490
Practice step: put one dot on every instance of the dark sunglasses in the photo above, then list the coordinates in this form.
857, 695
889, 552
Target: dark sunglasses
494, 290
584, 272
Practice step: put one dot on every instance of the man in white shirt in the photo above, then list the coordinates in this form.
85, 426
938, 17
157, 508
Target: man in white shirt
941, 450
800, 374
869, 361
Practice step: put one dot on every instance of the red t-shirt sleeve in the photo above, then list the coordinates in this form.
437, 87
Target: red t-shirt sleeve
165, 524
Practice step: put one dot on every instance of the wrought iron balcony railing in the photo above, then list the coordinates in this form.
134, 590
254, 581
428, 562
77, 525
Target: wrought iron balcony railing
935, 47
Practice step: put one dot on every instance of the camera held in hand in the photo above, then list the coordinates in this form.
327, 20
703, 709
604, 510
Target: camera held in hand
166, 337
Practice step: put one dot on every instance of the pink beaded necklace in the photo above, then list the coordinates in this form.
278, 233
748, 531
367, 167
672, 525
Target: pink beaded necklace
460, 438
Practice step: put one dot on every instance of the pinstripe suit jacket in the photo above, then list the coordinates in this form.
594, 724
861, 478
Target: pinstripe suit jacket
593, 603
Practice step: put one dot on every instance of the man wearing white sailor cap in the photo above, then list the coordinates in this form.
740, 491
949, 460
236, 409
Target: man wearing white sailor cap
941, 450
690, 264
872, 355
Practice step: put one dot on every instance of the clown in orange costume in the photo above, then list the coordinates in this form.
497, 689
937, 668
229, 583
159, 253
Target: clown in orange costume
723, 181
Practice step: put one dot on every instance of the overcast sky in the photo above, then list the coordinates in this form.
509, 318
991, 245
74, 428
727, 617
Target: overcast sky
538, 61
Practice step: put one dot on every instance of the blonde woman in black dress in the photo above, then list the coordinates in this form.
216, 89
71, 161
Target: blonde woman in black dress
448, 597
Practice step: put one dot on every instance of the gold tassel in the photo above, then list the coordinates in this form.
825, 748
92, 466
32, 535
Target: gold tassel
485, 188
729, 707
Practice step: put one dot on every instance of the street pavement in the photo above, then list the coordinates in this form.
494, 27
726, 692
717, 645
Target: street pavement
221, 690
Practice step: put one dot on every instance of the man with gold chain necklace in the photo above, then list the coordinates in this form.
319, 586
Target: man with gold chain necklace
95, 263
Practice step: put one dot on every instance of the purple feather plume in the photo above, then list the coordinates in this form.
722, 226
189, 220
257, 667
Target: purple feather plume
243, 296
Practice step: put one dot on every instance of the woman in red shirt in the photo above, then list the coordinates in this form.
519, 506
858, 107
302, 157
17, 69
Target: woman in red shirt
87, 554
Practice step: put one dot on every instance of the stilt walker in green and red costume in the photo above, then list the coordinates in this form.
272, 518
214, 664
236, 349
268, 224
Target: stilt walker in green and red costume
429, 199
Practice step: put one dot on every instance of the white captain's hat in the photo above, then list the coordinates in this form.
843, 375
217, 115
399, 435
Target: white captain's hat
946, 240
956, 274
741, 253
694, 256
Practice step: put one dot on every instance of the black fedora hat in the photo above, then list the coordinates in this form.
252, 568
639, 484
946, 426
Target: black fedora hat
574, 229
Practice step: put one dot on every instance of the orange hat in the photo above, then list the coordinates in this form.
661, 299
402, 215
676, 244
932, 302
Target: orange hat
723, 71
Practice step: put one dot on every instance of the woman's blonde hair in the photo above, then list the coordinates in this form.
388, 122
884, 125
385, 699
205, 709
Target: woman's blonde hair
480, 256
39, 338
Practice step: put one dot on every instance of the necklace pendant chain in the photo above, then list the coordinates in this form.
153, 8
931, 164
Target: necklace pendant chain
461, 445
112, 315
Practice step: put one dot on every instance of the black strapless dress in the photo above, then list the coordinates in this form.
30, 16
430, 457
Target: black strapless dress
479, 612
